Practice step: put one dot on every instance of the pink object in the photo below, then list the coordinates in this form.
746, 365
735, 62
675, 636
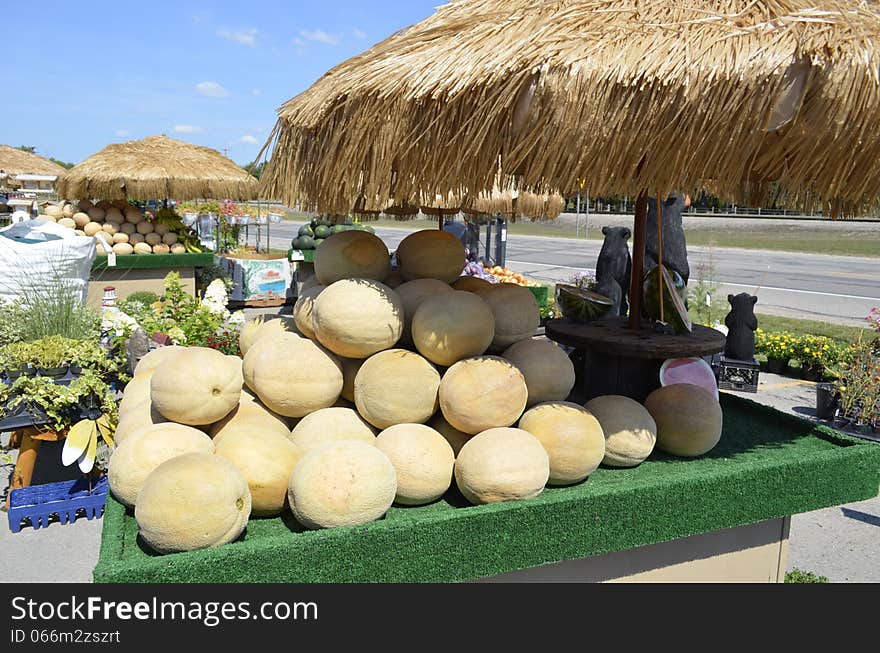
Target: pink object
689, 370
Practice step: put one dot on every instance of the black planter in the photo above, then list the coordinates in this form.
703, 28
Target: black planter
777, 366
826, 401
812, 372
76, 369
53, 372
29, 370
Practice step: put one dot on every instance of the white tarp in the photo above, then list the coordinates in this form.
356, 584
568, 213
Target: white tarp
38, 254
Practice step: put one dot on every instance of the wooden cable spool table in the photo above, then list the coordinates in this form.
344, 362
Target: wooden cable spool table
611, 359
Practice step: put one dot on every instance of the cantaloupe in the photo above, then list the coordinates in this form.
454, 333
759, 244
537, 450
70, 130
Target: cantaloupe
412, 294
356, 318
81, 220
688, 418
516, 313
572, 437
114, 215
341, 484
153, 239
142, 248
96, 213
104, 204
422, 459
161, 248
137, 416
351, 255
481, 393
144, 227
292, 376
470, 284
431, 254
193, 501
177, 248
123, 248
548, 370
302, 310
120, 238
169, 238
502, 464
110, 228
259, 327
136, 391
55, 211
630, 431
161, 229
136, 238
79, 232
266, 461
249, 415
394, 279
454, 437
451, 326
84, 205
67, 222
350, 367
127, 229
396, 386
133, 216
333, 424
196, 386
139, 454
155, 357
101, 247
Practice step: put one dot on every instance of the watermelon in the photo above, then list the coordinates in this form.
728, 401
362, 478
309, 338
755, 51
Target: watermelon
689, 370
580, 305
674, 294
318, 242
339, 228
305, 242
322, 231
306, 230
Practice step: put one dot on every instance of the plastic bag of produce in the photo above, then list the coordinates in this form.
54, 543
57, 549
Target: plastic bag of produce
38, 255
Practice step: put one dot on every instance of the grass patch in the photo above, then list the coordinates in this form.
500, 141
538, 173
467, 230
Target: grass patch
799, 576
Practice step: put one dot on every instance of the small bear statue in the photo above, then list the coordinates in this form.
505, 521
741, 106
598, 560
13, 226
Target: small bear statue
613, 269
741, 324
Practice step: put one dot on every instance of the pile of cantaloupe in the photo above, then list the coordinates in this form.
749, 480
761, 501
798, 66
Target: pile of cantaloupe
117, 226
372, 396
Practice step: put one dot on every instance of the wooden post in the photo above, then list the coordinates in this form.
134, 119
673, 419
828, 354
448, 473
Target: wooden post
640, 227
660, 254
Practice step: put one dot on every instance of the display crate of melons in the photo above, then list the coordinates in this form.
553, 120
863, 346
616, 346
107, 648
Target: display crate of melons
420, 433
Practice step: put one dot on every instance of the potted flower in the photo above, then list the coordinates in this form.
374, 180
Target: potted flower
779, 348
859, 387
814, 353
51, 356
15, 360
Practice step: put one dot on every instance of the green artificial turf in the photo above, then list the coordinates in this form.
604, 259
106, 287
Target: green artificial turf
155, 261
767, 465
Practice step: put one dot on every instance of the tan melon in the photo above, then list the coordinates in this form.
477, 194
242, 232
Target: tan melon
302, 310
136, 391
110, 228
67, 222
136, 239
123, 248
431, 254
395, 387
413, 294
144, 227
470, 284
101, 247
351, 255
266, 461
68, 210
161, 229
341, 484
451, 326
133, 216
688, 418
120, 238
142, 248
258, 328
96, 214
127, 229
155, 357
80, 232
292, 376
394, 279
177, 248
81, 220
516, 313
161, 248
55, 211
548, 370
356, 318
572, 437
350, 368
333, 424
502, 464
114, 215
153, 239
137, 416
169, 238
630, 431
198, 386
422, 459
84, 205
249, 414
139, 454
193, 501
481, 393
454, 437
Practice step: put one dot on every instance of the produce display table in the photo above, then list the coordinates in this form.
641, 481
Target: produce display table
134, 272
612, 360
767, 466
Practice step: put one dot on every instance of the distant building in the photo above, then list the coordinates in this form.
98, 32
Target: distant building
27, 174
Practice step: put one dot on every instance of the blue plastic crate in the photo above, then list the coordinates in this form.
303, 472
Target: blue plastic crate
37, 503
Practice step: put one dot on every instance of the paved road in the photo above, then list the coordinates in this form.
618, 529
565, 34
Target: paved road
809, 286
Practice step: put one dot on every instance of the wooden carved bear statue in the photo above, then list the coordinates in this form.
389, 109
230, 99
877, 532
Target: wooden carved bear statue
613, 269
741, 324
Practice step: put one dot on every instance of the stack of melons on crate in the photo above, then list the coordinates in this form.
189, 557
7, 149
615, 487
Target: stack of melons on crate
117, 226
373, 396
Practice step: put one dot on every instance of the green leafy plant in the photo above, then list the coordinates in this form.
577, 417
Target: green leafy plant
780, 345
799, 576
858, 382
15, 355
52, 351
143, 296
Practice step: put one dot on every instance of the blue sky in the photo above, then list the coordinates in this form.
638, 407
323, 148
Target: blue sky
81, 75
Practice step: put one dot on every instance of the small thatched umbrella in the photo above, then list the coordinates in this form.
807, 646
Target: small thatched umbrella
633, 96
14, 161
157, 167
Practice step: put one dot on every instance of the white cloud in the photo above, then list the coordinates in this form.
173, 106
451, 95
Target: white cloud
211, 89
320, 36
358, 33
122, 133
246, 37
298, 41
250, 140
256, 91
187, 129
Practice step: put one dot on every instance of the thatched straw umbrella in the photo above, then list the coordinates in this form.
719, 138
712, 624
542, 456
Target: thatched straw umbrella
633, 96
14, 161
157, 167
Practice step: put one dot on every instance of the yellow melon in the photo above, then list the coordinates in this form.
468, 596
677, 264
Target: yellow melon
260, 327
451, 326
470, 284
142, 248
412, 294
197, 386
81, 220
136, 391
120, 237
66, 222
454, 437
516, 313
356, 318
193, 501
136, 416
688, 418
266, 461
247, 415
292, 376
302, 310
422, 459
110, 228
395, 387
91, 228
630, 431
572, 437
155, 357
502, 464
351, 255
341, 484
333, 424
430, 254
144, 450
481, 393
548, 371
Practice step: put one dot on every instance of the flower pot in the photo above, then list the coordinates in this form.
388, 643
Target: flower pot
53, 372
11, 375
28, 370
812, 372
826, 401
777, 365
76, 369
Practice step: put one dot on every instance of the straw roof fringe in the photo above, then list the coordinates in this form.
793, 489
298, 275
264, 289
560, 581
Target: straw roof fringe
18, 162
627, 94
157, 167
